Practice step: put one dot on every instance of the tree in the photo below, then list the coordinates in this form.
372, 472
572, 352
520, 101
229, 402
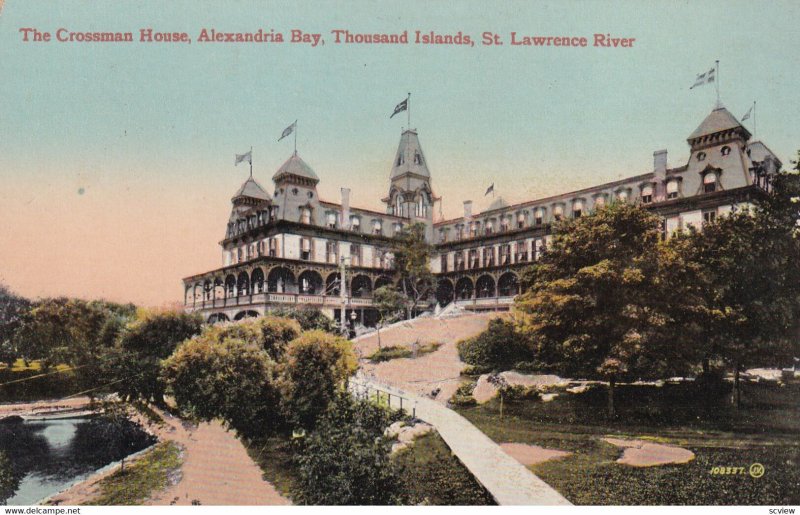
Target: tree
12, 310
346, 461
231, 379
498, 348
412, 255
589, 309
309, 318
749, 263
9, 478
317, 366
390, 305
141, 346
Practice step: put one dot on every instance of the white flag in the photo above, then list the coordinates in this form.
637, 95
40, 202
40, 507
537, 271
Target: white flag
704, 78
747, 114
244, 157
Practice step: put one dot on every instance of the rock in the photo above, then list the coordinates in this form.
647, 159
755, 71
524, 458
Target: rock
547, 397
393, 430
484, 390
515, 378
409, 433
578, 389
11, 419
640, 453
531, 454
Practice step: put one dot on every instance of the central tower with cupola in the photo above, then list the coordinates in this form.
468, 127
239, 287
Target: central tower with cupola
410, 193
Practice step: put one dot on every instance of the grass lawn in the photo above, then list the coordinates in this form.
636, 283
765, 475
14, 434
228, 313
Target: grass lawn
147, 475
766, 430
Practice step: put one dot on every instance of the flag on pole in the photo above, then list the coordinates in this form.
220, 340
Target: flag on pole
288, 130
399, 108
747, 114
704, 78
490, 189
244, 157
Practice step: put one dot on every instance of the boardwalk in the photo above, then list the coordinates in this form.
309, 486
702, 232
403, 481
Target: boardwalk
507, 480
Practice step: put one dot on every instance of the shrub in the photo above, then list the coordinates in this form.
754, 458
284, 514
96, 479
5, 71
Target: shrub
520, 393
389, 353
497, 348
316, 366
230, 379
463, 396
309, 319
345, 461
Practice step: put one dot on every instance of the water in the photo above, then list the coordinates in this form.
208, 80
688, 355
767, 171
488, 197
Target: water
44, 457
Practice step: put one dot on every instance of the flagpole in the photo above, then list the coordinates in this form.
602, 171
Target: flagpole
295, 136
408, 109
251, 161
754, 120
716, 82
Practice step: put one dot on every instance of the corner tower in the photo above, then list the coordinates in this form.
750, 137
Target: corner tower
296, 191
410, 193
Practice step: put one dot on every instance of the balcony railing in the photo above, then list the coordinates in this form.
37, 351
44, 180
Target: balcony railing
275, 298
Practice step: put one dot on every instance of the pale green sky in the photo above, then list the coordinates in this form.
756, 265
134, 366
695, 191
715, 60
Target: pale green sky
149, 131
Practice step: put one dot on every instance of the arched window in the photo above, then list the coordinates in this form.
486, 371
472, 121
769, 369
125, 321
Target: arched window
377, 227
725, 150
599, 201
622, 195
577, 208
672, 189
305, 215
355, 224
558, 212
710, 182
331, 220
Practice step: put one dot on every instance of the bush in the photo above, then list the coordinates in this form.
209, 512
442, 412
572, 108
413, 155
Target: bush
230, 379
316, 366
389, 353
497, 348
309, 318
463, 396
345, 461
520, 393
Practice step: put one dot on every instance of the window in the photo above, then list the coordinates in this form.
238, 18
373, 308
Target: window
310, 194
558, 212
355, 224
672, 189
459, 261
305, 215
331, 252
725, 150
538, 249
709, 216
305, 249
520, 252
701, 156
473, 259
331, 220
520, 220
539, 219
488, 256
622, 195
505, 223
355, 255
261, 248
459, 232
239, 255
599, 201
295, 191
647, 194
505, 254
577, 208
710, 183
444, 263
475, 227
273, 247
417, 158
377, 228
489, 227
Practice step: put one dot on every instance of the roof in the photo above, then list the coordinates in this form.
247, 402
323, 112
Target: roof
498, 203
252, 189
296, 166
719, 120
406, 160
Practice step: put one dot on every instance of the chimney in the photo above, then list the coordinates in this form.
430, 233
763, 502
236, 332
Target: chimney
467, 210
660, 173
345, 209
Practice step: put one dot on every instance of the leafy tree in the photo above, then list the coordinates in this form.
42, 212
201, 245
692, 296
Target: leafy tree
390, 305
749, 265
152, 337
12, 310
412, 255
589, 309
231, 379
345, 461
9, 478
317, 366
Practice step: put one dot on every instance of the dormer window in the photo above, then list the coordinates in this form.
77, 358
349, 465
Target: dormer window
539, 219
520, 220
417, 158
701, 156
399, 159
710, 182
599, 201
647, 194
489, 227
577, 208
305, 249
331, 220
355, 224
725, 150
558, 212
305, 215
672, 189
505, 224
622, 195
376, 227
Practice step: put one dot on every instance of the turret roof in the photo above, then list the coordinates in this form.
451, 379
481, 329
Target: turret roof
406, 160
296, 166
252, 189
719, 120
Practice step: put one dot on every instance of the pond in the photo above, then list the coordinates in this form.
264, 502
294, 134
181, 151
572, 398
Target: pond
39, 458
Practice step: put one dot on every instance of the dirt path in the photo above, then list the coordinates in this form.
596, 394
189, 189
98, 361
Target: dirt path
437, 370
216, 470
